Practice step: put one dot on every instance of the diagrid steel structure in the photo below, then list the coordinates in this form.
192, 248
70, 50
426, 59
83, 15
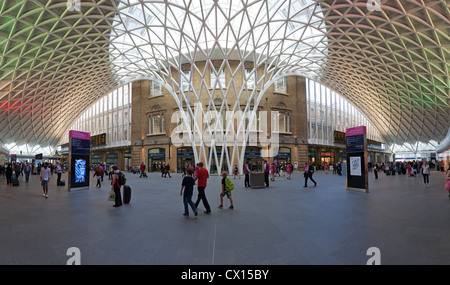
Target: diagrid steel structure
389, 58
173, 42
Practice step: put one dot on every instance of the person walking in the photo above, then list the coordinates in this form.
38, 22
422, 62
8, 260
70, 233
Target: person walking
188, 185
45, 178
375, 170
142, 169
266, 172
17, 169
103, 170
288, 171
273, 170
309, 174
8, 174
202, 175
426, 174
225, 191
447, 183
325, 167
27, 172
236, 172
167, 171
99, 173
247, 175
116, 187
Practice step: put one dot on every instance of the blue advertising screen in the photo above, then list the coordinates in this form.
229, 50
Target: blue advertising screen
80, 170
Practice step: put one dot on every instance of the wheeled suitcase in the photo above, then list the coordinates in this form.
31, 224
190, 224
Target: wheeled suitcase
126, 194
61, 183
14, 181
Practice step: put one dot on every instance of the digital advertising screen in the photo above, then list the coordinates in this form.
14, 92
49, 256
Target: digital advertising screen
80, 170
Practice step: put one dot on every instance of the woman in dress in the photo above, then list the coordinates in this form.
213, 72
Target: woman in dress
272, 172
288, 171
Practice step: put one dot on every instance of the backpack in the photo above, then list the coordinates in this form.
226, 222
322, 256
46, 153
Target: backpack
122, 179
229, 186
311, 169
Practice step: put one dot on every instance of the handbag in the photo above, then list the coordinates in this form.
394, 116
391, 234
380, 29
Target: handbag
447, 185
111, 196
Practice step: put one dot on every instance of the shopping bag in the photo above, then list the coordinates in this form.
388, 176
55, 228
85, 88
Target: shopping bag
447, 185
111, 196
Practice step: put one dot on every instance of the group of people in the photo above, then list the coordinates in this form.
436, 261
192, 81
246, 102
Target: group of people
200, 178
273, 169
411, 169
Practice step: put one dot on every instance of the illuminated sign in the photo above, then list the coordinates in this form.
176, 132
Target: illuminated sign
339, 137
98, 140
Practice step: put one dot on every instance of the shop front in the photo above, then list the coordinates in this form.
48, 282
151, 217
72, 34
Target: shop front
220, 155
326, 157
96, 159
185, 158
283, 157
156, 157
112, 159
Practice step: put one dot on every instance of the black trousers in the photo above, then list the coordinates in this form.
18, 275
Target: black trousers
118, 201
375, 171
202, 197
309, 175
247, 180
266, 178
59, 178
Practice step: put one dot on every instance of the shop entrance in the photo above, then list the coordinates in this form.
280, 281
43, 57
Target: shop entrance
327, 157
185, 158
213, 168
283, 157
156, 157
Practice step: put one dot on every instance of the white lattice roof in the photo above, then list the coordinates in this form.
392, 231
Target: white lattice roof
391, 63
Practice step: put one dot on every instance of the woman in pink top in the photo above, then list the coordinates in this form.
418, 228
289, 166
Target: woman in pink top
325, 167
288, 170
272, 172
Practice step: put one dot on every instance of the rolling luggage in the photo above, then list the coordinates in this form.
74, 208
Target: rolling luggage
126, 194
61, 183
14, 181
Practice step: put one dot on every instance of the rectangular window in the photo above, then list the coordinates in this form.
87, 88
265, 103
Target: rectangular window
157, 124
251, 82
281, 85
185, 80
156, 89
218, 78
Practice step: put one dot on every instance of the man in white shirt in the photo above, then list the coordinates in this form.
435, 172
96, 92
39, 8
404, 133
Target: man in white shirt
45, 177
426, 174
58, 172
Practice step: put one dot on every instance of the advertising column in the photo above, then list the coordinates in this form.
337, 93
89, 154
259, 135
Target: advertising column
357, 172
79, 155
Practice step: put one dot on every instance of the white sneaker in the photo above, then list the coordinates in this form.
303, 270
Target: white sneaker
43, 195
46, 196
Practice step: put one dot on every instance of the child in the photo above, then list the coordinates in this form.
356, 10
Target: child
188, 182
225, 191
